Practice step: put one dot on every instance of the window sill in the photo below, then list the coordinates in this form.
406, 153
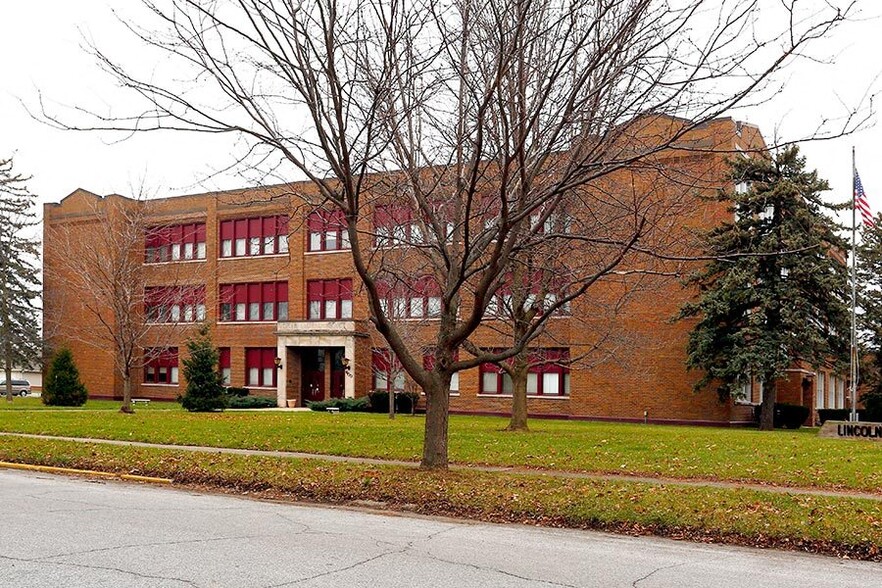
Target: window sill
175, 324
160, 385
247, 322
529, 396
250, 387
261, 256
152, 263
327, 320
331, 251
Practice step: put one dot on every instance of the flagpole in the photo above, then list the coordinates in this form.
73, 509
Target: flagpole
853, 362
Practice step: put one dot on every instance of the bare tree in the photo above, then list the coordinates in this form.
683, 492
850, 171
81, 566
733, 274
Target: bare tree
472, 116
99, 259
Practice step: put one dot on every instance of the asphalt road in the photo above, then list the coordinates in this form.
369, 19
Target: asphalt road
69, 532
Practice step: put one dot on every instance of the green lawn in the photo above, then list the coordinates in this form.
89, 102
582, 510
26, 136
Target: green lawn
791, 458
832, 525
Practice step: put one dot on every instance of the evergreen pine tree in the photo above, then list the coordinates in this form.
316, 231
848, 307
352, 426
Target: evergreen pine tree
19, 277
205, 388
63, 386
776, 291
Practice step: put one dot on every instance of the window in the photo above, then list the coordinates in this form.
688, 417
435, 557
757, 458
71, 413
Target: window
416, 300
327, 231
388, 374
260, 301
174, 243
500, 304
265, 235
161, 365
329, 300
549, 375
174, 304
260, 367
224, 364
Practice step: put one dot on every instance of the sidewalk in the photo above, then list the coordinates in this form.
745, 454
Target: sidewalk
478, 468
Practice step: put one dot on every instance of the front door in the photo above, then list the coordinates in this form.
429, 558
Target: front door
338, 373
313, 380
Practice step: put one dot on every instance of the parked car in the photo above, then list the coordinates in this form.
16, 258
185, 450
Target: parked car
19, 387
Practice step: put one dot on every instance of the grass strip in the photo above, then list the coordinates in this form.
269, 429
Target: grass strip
784, 458
830, 525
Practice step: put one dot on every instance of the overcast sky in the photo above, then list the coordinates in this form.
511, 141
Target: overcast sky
40, 49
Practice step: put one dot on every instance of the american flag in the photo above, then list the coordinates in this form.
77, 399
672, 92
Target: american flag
860, 201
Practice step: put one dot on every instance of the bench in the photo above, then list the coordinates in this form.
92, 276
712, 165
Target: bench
140, 401
333, 409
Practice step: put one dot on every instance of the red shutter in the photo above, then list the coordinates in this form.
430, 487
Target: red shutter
282, 224
200, 232
152, 237
268, 293
187, 234
254, 227
252, 360
382, 217
314, 222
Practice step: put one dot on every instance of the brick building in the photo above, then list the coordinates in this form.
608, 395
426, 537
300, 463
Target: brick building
275, 281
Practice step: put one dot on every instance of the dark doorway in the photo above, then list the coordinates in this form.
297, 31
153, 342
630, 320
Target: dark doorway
338, 373
313, 366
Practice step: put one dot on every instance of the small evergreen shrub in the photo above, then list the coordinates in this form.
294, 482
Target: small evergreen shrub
251, 402
405, 402
235, 391
344, 404
787, 416
63, 386
205, 386
837, 414
872, 406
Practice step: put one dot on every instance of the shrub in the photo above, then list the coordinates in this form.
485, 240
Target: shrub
251, 402
405, 402
837, 414
235, 391
205, 386
63, 386
872, 406
787, 416
344, 404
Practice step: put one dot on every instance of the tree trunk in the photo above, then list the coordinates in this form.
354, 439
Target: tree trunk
392, 402
127, 394
435, 439
767, 408
7, 370
518, 420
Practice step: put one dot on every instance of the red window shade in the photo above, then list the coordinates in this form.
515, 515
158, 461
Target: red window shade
269, 227
269, 292
200, 233
254, 227
381, 360
241, 293
253, 293
282, 224
227, 230
383, 217
315, 222
153, 237
189, 234
227, 293
241, 229
346, 289
314, 290
281, 291
331, 290
224, 358
252, 358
